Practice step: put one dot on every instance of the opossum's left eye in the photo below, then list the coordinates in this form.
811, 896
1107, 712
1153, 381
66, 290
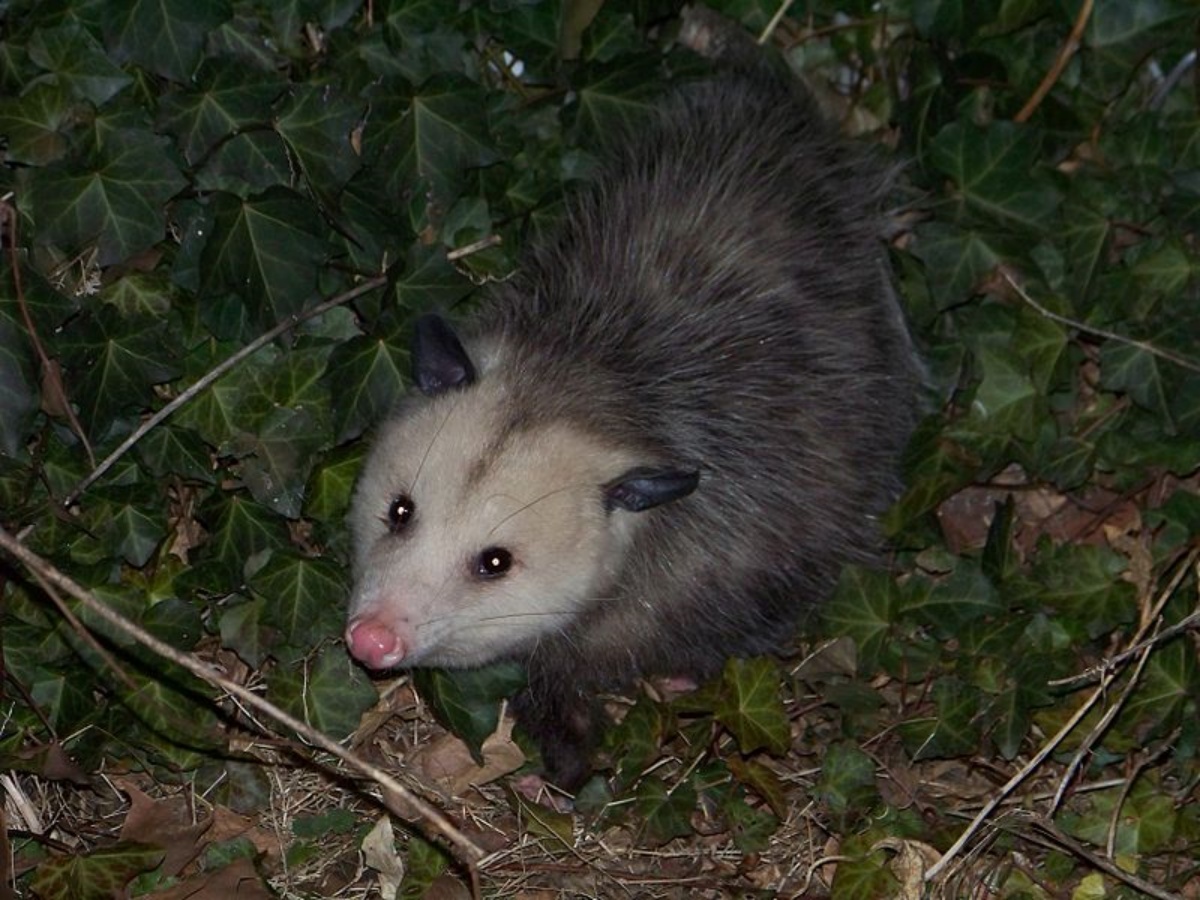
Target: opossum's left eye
493, 562
400, 512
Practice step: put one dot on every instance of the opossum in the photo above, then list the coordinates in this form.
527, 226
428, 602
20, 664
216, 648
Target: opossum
657, 445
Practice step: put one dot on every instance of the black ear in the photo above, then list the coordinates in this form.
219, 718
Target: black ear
439, 361
645, 487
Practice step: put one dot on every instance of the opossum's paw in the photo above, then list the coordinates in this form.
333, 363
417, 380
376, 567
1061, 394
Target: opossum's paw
565, 729
668, 687
537, 789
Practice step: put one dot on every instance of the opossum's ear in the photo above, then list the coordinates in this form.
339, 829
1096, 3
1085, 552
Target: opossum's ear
439, 361
645, 487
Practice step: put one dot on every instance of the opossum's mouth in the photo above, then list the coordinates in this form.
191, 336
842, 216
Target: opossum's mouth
381, 645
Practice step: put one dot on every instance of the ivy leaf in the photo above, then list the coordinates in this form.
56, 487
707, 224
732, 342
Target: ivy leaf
864, 607
246, 630
332, 485
617, 98
316, 123
118, 202
331, 693
993, 167
240, 530
957, 261
1005, 401
370, 375
279, 458
78, 63
305, 598
100, 875
1135, 371
467, 701
114, 361
749, 705
165, 36
952, 731
224, 102
266, 249
19, 396
665, 812
438, 132
36, 124
847, 783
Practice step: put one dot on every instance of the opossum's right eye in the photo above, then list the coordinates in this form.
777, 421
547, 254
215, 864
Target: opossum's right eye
493, 562
400, 513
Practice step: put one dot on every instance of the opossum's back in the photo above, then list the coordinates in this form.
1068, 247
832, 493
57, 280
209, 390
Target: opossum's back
725, 274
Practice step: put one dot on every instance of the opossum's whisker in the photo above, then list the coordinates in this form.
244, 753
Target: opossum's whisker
530, 504
432, 442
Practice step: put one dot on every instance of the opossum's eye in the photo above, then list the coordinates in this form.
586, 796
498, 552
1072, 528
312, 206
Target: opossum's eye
493, 562
400, 513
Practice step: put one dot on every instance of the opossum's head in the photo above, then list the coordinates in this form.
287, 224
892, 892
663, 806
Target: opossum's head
475, 535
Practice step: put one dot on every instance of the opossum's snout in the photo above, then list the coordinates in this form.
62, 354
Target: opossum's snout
377, 644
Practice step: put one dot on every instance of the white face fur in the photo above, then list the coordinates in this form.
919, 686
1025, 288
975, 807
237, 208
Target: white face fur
500, 543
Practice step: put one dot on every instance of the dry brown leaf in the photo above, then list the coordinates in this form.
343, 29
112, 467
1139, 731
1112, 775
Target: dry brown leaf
165, 823
379, 853
912, 859
447, 762
237, 881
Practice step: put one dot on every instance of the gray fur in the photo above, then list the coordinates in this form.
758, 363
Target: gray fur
718, 303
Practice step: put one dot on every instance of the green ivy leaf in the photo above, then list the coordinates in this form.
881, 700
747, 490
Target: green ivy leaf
749, 706
37, 124
279, 458
330, 693
99, 875
952, 731
332, 485
434, 135
993, 167
114, 361
467, 701
165, 36
847, 783
370, 375
77, 62
305, 597
665, 812
267, 250
117, 202
240, 531
863, 607
317, 123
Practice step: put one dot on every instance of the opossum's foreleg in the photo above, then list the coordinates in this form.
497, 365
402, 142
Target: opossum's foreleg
564, 719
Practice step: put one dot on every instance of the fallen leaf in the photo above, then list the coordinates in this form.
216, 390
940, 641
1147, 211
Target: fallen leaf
379, 853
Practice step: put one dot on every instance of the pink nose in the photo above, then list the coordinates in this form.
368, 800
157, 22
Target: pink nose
373, 643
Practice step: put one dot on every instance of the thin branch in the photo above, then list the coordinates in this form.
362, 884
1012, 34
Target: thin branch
399, 800
1181, 361
1065, 53
1140, 641
219, 370
1106, 679
1105, 865
51, 372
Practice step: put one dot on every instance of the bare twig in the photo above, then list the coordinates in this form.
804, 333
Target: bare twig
399, 800
1105, 865
1060, 63
51, 373
1107, 677
1181, 361
219, 370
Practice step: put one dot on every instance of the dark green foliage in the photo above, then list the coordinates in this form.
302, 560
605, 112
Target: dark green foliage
185, 176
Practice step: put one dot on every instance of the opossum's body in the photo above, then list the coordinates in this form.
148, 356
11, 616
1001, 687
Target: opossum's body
716, 306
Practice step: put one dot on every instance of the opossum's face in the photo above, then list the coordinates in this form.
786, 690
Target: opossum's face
473, 538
